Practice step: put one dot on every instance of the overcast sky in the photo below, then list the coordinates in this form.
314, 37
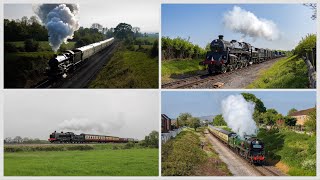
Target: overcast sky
112, 112
109, 13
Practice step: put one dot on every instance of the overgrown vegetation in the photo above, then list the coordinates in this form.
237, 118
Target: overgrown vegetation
289, 72
179, 48
189, 159
180, 158
297, 151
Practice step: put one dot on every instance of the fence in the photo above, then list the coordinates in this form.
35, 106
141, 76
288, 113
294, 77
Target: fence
171, 134
311, 62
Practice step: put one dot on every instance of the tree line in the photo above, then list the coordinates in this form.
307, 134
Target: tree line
30, 30
179, 48
23, 140
186, 119
269, 117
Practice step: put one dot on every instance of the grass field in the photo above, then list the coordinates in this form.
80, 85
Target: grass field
174, 68
294, 153
188, 159
100, 161
289, 72
128, 69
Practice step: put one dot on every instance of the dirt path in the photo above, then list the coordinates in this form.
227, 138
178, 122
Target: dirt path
236, 165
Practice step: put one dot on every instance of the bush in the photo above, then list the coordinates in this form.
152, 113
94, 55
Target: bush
31, 45
306, 45
9, 47
129, 145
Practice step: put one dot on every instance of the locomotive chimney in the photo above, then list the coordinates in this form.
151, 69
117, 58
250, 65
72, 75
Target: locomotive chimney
220, 37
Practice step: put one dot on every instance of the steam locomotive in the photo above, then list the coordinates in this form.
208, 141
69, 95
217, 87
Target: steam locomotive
70, 137
69, 60
228, 56
250, 148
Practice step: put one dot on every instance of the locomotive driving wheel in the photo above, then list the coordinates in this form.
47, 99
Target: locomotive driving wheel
223, 68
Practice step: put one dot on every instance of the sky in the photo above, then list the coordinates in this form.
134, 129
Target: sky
205, 103
109, 13
204, 22
36, 114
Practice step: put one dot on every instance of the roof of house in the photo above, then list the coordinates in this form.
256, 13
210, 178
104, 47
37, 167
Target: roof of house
165, 117
302, 112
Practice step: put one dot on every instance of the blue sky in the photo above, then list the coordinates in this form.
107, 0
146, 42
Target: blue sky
204, 103
204, 22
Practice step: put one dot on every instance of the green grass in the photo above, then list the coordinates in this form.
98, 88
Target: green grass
44, 45
183, 156
289, 72
129, 162
24, 69
150, 39
172, 68
128, 69
297, 151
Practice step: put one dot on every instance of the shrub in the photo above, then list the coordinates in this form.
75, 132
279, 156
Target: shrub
31, 45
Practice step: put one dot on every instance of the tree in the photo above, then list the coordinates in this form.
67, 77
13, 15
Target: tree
290, 121
259, 105
17, 139
219, 121
270, 117
313, 7
311, 123
155, 49
152, 140
292, 110
97, 26
124, 31
194, 123
183, 118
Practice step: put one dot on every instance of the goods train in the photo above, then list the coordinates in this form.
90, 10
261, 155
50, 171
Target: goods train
250, 148
69, 60
228, 56
70, 137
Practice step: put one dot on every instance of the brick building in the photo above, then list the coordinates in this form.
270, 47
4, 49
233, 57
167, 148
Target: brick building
165, 123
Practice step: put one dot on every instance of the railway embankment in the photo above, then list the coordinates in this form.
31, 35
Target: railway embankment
184, 156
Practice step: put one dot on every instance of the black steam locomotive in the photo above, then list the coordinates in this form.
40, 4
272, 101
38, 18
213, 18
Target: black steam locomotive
228, 56
67, 62
70, 137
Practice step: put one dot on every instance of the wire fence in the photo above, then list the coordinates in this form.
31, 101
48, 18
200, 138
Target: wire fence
171, 134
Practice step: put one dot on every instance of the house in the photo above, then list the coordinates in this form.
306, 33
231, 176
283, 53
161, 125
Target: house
165, 123
301, 116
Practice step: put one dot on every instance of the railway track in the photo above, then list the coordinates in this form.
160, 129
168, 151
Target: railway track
263, 170
217, 80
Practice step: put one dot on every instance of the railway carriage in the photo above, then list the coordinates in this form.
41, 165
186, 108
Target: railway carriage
70, 137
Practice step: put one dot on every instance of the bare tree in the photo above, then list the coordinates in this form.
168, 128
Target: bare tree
313, 7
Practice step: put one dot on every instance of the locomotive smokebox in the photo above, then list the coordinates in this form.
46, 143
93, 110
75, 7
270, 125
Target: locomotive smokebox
220, 37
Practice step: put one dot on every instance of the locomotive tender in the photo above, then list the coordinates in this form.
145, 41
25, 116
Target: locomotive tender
228, 56
251, 148
70, 137
69, 60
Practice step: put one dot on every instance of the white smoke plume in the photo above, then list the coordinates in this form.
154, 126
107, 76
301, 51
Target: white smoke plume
60, 20
237, 113
84, 125
248, 24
